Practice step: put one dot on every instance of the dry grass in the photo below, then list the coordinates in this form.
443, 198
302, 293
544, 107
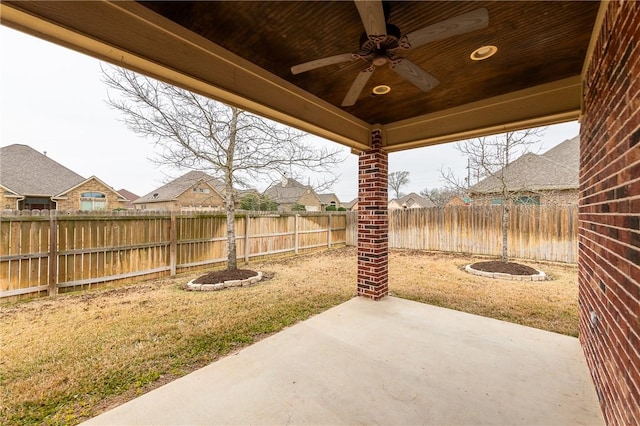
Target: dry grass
439, 279
67, 359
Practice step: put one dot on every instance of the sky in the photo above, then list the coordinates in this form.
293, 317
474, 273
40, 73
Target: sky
53, 99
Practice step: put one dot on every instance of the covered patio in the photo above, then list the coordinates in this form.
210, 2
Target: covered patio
455, 70
392, 362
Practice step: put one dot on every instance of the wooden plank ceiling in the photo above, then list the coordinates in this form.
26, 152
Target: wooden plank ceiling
533, 79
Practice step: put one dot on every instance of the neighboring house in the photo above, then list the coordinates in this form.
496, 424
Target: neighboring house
458, 201
29, 180
130, 196
352, 205
192, 191
327, 200
549, 178
410, 201
289, 192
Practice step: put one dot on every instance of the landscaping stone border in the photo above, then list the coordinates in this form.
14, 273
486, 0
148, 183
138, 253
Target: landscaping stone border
221, 286
540, 276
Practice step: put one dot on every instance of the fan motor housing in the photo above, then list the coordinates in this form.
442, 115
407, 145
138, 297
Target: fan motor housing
367, 46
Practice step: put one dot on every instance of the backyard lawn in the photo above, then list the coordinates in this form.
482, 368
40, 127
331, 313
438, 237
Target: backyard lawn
67, 359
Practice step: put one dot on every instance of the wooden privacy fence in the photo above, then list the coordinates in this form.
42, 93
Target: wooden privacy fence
535, 232
42, 252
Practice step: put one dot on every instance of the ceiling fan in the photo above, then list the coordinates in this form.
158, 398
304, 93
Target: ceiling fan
383, 43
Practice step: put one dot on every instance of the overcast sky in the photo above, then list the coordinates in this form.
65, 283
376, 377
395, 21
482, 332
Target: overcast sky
53, 99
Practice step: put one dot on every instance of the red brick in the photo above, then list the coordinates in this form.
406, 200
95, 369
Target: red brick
609, 205
373, 223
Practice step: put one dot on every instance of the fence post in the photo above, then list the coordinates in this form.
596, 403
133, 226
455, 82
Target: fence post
173, 244
246, 238
295, 234
329, 231
53, 254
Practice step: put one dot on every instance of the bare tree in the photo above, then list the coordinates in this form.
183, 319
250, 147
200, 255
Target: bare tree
193, 132
441, 196
397, 180
488, 158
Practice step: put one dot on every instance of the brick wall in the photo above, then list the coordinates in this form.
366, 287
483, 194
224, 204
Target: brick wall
311, 201
12, 202
201, 195
72, 198
373, 220
609, 233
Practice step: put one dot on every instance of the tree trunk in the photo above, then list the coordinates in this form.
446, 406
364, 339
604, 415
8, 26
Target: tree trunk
232, 261
229, 198
505, 229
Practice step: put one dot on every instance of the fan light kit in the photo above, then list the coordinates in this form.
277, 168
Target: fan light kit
381, 90
482, 53
383, 43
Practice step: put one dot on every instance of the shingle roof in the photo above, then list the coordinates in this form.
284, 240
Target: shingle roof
554, 170
412, 199
566, 153
173, 189
328, 198
29, 172
288, 192
351, 203
130, 196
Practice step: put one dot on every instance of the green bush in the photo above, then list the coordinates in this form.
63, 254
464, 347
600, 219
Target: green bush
257, 202
298, 208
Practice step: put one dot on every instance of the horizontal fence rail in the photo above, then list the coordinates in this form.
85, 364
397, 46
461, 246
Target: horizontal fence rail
42, 252
547, 233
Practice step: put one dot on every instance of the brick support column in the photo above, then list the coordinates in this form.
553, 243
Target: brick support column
373, 221
609, 221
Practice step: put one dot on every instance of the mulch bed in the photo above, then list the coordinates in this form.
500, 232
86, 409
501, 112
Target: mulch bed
216, 277
504, 268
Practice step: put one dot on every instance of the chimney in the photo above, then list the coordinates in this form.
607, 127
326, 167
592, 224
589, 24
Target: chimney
284, 180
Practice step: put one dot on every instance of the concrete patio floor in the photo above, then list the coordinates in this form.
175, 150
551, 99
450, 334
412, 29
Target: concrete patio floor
393, 362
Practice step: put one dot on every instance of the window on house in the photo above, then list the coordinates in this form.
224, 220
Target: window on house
93, 201
528, 200
496, 202
36, 203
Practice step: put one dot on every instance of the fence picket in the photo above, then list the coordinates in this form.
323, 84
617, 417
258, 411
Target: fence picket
50, 251
536, 232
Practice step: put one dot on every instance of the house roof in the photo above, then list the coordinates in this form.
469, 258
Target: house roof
288, 191
556, 169
328, 198
351, 203
566, 153
26, 171
413, 200
128, 194
64, 193
173, 189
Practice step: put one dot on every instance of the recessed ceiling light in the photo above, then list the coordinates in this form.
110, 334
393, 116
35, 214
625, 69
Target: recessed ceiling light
482, 53
381, 90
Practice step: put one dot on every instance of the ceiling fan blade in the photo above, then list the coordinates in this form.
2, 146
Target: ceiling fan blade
416, 75
318, 63
357, 86
474, 20
372, 16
